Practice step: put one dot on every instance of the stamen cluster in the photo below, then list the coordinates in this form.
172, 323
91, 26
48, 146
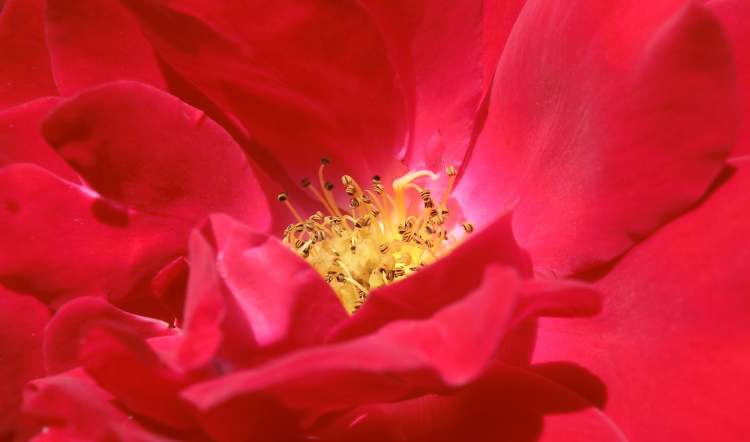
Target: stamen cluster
378, 239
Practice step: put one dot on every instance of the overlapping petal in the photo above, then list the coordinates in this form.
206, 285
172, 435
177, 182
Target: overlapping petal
604, 123
148, 182
82, 31
671, 342
250, 297
436, 47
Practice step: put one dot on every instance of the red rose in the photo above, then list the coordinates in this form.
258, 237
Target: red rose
508, 169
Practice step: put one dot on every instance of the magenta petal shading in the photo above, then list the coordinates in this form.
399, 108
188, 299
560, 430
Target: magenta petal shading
97, 41
436, 47
672, 336
63, 335
25, 73
602, 151
22, 322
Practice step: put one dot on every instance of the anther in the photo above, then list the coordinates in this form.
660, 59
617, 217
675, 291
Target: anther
282, 196
468, 227
305, 182
328, 185
376, 179
346, 180
325, 161
451, 171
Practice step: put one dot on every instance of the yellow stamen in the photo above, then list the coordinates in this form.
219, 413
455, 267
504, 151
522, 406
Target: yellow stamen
383, 239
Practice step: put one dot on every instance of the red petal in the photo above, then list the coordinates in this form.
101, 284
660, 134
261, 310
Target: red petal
338, 88
253, 296
25, 72
70, 324
603, 150
283, 298
57, 240
672, 342
735, 19
97, 41
22, 321
21, 138
436, 47
398, 361
131, 371
176, 163
69, 407
506, 404
436, 286
499, 18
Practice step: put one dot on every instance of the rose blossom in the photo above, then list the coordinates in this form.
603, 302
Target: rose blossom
559, 145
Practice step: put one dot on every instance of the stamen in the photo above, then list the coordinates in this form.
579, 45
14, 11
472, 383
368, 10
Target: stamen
284, 198
383, 238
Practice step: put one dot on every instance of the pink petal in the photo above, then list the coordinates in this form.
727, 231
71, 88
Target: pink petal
57, 240
506, 404
437, 286
338, 88
436, 47
70, 324
69, 407
253, 297
734, 16
25, 72
22, 321
672, 342
96, 41
124, 365
176, 163
400, 360
499, 18
283, 298
21, 138
601, 151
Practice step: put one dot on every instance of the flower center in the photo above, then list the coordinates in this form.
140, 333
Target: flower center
380, 238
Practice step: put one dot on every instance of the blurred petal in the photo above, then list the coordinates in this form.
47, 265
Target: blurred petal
602, 151
25, 72
735, 19
97, 41
22, 321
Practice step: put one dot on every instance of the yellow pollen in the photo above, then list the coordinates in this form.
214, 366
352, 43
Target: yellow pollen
379, 239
